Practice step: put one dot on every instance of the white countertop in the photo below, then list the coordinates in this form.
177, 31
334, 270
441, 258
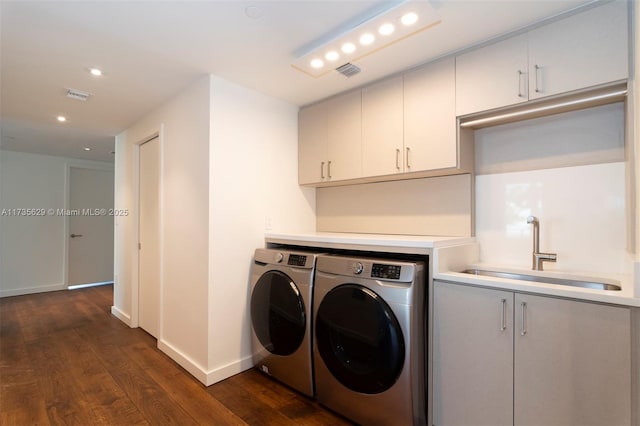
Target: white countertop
396, 243
450, 261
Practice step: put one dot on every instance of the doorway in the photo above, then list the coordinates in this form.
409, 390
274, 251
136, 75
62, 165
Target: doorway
90, 226
149, 237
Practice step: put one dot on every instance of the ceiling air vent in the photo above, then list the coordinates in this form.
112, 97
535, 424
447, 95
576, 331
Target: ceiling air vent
77, 95
348, 70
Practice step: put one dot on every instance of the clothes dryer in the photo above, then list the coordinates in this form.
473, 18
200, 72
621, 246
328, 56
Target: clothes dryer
281, 305
369, 341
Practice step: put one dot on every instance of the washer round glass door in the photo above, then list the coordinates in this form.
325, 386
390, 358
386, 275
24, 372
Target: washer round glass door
278, 313
359, 339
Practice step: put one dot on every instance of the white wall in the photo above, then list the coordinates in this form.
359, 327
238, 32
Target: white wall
229, 167
253, 185
528, 168
183, 124
32, 249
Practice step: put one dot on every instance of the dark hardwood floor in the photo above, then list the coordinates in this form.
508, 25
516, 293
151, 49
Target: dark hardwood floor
65, 360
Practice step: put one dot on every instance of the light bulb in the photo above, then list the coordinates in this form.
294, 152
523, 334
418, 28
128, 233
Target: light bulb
317, 63
366, 39
96, 72
348, 48
332, 55
61, 118
386, 29
409, 18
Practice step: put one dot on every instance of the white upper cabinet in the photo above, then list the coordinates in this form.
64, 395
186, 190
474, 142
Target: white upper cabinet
382, 138
492, 77
330, 140
344, 136
409, 122
430, 141
312, 144
583, 50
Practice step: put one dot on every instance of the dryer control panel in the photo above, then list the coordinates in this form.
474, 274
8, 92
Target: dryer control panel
389, 272
297, 260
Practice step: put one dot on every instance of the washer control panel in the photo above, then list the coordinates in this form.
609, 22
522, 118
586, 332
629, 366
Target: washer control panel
297, 260
385, 271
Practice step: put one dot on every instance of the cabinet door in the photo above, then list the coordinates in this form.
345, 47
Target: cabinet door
382, 138
581, 51
572, 363
473, 355
430, 141
344, 121
312, 144
492, 77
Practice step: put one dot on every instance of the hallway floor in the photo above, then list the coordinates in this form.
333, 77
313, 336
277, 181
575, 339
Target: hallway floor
64, 359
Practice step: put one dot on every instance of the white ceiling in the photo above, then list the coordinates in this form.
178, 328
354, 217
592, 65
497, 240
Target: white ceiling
150, 50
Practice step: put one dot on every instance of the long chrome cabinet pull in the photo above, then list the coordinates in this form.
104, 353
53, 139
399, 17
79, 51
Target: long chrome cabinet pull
398, 159
503, 320
322, 170
520, 91
537, 67
524, 318
329, 169
408, 164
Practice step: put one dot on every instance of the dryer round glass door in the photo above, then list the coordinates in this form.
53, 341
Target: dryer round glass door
359, 339
278, 313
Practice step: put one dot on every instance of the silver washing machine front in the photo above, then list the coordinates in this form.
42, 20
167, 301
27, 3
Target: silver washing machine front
369, 341
281, 305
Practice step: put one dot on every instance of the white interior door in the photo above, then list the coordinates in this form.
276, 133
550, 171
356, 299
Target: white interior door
90, 248
149, 238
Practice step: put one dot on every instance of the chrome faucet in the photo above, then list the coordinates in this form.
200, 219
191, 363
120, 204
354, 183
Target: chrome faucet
537, 257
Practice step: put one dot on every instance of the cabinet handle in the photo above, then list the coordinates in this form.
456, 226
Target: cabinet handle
322, 170
503, 320
520, 91
329, 169
537, 68
524, 318
408, 164
398, 159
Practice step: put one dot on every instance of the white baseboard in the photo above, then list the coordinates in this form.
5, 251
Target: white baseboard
185, 362
124, 317
31, 290
196, 370
218, 374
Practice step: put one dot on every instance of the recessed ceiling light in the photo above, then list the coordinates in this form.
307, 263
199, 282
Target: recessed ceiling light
96, 72
86, 148
348, 48
386, 29
367, 39
317, 63
409, 18
61, 118
332, 55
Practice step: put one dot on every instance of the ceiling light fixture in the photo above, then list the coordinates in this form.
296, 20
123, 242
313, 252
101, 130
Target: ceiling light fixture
348, 48
332, 56
86, 148
95, 72
386, 29
61, 118
396, 24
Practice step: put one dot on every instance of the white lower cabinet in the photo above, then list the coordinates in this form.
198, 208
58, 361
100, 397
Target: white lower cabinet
505, 358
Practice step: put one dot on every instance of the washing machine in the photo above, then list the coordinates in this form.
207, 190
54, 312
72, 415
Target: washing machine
281, 305
369, 340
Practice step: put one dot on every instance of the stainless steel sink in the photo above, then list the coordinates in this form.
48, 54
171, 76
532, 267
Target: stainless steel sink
546, 280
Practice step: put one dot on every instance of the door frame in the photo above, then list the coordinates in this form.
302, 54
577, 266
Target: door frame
79, 164
135, 236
